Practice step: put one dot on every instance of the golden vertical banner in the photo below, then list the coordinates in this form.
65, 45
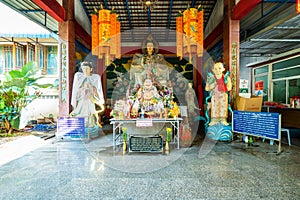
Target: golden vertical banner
104, 32
187, 22
113, 32
193, 25
200, 39
118, 37
186, 31
193, 30
298, 6
234, 69
179, 39
95, 34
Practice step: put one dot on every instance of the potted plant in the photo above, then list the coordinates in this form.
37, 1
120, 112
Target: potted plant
15, 94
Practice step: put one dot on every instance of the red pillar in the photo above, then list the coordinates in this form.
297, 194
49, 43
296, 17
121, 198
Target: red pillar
231, 41
199, 85
102, 73
66, 58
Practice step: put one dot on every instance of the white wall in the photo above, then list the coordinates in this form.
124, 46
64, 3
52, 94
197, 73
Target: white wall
46, 104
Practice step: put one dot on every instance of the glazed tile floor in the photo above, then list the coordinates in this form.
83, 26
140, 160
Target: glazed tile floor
207, 170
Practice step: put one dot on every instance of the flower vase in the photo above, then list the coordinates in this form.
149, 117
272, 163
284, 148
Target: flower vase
168, 138
169, 132
124, 146
121, 115
124, 130
167, 148
166, 113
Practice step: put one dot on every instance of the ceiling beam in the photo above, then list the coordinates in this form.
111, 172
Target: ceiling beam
170, 13
12, 39
273, 40
31, 11
193, 4
266, 22
149, 19
105, 4
280, 1
53, 8
128, 13
242, 8
287, 27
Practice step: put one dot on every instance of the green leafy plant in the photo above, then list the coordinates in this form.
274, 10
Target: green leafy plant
17, 91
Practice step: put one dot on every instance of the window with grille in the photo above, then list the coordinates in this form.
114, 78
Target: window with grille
52, 60
19, 56
281, 79
8, 58
30, 53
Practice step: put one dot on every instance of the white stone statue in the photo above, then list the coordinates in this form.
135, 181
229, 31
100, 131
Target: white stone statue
86, 95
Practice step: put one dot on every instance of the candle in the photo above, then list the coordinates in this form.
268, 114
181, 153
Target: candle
169, 132
124, 130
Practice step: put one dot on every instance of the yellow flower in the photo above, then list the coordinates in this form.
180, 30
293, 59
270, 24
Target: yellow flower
174, 111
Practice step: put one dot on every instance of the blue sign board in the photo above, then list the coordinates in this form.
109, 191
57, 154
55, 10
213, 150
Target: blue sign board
261, 124
72, 127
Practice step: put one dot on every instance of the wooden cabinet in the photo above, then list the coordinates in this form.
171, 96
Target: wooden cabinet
290, 117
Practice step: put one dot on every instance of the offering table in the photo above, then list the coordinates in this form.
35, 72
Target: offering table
146, 127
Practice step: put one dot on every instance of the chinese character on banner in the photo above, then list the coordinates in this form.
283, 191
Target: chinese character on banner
298, 6
259, 88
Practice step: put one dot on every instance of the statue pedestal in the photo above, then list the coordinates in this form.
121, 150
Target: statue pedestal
219, 132
91, 132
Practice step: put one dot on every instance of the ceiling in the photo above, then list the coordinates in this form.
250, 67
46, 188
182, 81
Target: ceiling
136, 21
271, 28
38, 16
133, 15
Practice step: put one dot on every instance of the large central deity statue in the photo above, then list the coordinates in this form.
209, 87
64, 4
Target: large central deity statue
149, 65
150, 90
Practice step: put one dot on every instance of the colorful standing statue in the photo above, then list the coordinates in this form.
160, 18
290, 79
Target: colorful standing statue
147, 92
149, 65
146, 96
218, 84
87, 96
